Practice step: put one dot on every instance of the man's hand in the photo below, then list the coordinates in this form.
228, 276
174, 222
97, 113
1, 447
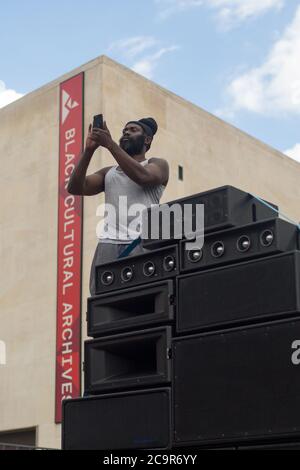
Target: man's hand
98, 137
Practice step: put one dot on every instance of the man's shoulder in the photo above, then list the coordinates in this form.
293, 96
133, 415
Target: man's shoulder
104, 170
162, 161
164, 168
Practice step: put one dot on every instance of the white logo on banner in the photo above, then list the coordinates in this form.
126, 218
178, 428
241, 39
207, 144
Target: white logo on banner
67, 104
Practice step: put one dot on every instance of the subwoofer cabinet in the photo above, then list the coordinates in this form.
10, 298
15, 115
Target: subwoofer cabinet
116, 421
238, 385
256, 290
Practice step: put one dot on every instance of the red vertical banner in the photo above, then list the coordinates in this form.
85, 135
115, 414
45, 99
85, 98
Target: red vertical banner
69, 247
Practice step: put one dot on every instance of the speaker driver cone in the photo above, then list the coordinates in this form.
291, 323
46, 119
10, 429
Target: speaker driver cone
267, 237
169, 263
107, 278
243, 243
194, 255
149, 268
126, 274
217, 249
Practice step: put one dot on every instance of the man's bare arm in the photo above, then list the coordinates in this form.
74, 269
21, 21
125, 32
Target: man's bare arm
159, 169
80, 184
77, 178
94, 183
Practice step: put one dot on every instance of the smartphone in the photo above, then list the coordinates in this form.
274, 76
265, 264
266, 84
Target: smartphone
98, 121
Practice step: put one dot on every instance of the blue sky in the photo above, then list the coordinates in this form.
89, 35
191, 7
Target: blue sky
237, 59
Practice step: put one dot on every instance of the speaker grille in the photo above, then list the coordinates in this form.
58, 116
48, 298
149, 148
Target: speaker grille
249, 291
237, 385
136, 420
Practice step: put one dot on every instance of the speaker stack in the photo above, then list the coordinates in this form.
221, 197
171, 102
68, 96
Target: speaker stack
127, 365
196, 348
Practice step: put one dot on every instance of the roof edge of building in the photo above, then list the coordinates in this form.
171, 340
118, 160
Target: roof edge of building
104, 59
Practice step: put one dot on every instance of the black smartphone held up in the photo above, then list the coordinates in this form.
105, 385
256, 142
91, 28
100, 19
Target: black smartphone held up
98, 121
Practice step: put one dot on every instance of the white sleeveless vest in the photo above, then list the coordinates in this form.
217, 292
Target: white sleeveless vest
122, 224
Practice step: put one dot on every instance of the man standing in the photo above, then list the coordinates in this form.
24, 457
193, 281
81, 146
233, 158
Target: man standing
140, 180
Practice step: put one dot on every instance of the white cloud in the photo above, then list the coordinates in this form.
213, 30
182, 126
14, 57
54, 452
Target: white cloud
7, 95
229, 12
272, 88
147, 65
294, 152
169, 7
232, 12
130, 48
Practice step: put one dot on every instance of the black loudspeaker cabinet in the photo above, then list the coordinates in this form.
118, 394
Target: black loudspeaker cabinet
136, 307
136, 270
238, 385
241, 243
130, 420
128, 360
264, 288
224, 207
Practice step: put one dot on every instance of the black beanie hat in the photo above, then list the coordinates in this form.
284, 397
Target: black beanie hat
148, 124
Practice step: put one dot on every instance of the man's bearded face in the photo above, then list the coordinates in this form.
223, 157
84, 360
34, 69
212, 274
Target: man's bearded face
133, 140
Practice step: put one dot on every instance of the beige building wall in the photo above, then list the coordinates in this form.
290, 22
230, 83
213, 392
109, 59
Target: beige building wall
212, 153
